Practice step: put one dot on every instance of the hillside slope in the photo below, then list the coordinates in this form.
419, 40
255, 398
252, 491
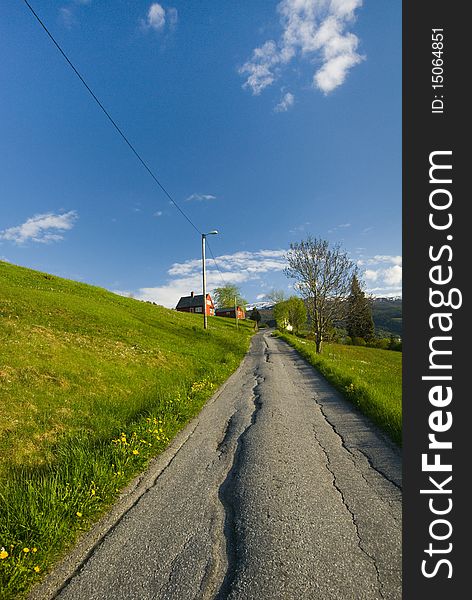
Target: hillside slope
91, 385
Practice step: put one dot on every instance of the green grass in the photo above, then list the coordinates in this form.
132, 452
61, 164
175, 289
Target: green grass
371, 378
92, 385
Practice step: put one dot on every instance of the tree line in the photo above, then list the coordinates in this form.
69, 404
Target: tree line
329, 294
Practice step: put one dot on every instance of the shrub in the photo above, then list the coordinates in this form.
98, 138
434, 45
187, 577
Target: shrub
358, 341
382, 343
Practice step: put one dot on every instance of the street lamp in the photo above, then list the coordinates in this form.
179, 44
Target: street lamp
205, 320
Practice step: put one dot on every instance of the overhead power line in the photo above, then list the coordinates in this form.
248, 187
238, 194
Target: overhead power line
120, 131
110, 118
216, 264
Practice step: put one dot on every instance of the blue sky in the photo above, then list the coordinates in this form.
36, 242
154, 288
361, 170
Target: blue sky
268, 121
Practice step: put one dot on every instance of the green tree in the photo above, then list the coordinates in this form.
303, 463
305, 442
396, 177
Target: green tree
359, 321
223, 297
323, 275
281, 314
296, 312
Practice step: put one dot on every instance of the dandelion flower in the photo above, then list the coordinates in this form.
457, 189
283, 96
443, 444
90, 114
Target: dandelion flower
34, 549
79, 514
26, 550
37, 569
3, 554
135, 451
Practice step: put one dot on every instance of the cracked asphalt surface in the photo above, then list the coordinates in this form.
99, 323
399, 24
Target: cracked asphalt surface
280, 489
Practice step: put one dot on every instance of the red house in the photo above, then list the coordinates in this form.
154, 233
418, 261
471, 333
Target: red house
229, 312
194, 304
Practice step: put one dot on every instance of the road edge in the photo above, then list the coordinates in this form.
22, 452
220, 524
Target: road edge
67, 566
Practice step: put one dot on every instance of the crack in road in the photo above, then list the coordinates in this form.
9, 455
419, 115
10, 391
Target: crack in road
242, 512
350, 511
346, 447
230, 428
352, 457
174, 562
226, 496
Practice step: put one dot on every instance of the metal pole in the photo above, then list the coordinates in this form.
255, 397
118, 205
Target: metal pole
236, 312
205, 321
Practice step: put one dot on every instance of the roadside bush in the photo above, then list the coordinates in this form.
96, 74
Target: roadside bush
382, 343
348, 340
358, 341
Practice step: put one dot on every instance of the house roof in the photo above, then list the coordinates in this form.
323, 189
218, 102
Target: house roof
191, 301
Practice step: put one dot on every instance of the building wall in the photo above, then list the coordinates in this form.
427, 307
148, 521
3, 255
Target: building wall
210, 308
229, 313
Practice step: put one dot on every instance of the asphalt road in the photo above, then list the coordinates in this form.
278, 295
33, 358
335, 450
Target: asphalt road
278, 490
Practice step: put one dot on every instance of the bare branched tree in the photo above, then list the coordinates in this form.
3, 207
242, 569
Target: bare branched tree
323, 277
276, 296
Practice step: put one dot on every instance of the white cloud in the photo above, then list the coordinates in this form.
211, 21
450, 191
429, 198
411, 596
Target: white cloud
393, 276
371, 275
68, 13
387, 258
300, 228
67, 16
158, 16
172, 17
312, 29
381, 259
235, 268
341, 226
388, 279
42, 228
200, 197
158, 213
286, 103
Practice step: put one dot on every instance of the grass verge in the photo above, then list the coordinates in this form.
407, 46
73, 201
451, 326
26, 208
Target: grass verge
369, 377
92, 385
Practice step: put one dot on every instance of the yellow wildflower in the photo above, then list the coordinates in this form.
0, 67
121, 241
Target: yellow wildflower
135, 451
34, 549
3, 554
37, 569
79, 514
92, 491
26, 550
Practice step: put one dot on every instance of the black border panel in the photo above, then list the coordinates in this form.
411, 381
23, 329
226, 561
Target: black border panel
436, 259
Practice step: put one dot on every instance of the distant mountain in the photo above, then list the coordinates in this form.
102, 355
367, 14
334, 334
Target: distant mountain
387, 313
259, 305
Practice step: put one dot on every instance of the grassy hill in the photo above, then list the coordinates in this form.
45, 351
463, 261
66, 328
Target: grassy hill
91, 386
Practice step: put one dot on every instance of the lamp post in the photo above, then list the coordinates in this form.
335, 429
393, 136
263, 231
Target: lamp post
205, 320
